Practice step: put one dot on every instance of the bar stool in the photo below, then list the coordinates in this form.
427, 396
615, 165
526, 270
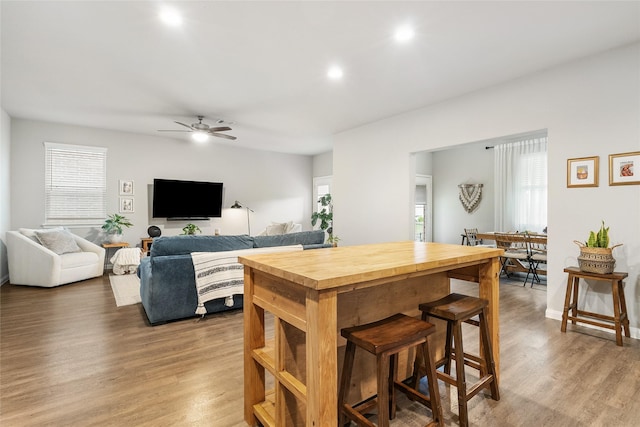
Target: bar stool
456, 309
385, 339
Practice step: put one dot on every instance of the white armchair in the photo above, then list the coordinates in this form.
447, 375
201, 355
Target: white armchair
32, 264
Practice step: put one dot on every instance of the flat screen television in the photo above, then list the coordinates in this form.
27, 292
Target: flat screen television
174, 199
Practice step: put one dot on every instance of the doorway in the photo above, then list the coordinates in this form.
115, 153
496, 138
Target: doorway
423, 210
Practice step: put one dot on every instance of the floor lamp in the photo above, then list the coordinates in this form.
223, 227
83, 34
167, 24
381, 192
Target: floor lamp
237, 205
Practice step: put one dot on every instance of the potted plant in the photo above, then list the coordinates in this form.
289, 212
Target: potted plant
325, 216
333, 239
595, 254
190, 229
113, 227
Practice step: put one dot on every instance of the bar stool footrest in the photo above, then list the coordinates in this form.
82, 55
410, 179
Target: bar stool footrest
413, 394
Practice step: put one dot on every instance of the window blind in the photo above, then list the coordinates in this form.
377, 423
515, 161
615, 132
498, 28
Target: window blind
75, 184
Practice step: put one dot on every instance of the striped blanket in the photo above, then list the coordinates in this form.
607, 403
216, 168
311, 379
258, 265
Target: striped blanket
220, 275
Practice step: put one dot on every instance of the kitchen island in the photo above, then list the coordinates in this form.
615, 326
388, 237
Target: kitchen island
311, 295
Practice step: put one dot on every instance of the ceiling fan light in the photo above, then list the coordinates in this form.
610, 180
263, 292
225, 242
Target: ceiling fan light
200, 136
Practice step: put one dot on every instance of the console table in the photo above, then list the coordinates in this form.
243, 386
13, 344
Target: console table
617, 322
313, 294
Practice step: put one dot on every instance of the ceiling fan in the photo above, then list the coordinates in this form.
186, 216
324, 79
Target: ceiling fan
201, 131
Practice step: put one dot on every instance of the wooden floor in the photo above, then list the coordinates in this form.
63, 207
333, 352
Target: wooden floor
69, 357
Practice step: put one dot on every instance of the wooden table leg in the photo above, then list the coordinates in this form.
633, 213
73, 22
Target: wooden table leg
490, 291
574, 299
616, 312
567, 304
623, 309
322, 358
254, 374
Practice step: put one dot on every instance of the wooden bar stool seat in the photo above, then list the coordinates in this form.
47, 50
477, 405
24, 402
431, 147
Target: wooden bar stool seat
385, 339
456, 309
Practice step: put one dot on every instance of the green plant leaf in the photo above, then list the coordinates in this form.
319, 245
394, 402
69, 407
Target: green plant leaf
325, 214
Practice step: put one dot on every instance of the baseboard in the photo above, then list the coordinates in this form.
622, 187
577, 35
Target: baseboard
557, 315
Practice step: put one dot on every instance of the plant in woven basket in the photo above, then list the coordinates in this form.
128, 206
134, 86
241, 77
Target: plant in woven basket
595, 254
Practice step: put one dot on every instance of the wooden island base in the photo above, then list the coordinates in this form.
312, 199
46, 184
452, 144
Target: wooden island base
313, 294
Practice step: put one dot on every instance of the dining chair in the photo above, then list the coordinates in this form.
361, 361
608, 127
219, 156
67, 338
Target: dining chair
472, 238
537, 245
516, 252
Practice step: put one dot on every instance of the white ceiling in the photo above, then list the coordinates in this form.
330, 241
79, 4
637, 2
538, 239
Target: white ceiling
263, 64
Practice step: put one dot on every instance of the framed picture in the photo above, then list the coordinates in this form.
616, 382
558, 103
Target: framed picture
582, 172
624, 168
126, 187
126, 204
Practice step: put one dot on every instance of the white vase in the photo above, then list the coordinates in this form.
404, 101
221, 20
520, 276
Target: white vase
115, 237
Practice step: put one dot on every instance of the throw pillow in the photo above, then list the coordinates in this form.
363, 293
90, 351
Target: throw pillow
275, 229
31, 232
292, 227
58, 241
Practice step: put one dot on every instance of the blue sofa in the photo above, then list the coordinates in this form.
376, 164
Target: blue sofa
167, 279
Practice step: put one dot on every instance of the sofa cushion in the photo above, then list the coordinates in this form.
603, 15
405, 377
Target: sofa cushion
78, 259
302, 238
58, 241
184, 245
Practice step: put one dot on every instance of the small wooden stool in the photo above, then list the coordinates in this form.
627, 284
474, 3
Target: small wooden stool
456, 309
385, 339
617, 322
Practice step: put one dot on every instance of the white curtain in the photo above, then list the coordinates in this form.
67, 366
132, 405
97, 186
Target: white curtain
521, 185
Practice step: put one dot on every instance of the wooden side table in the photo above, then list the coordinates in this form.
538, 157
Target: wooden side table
108, 246
146, 245
617, 322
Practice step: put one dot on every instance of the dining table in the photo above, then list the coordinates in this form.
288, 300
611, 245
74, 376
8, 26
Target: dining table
296, 303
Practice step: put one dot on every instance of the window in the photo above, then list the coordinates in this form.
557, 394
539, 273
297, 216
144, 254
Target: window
75, 184
521, 185
321, 187
420, 233
422, 209
531, 192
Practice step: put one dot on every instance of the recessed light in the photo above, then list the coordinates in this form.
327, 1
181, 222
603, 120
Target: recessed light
335, 73
171, 17
404, 34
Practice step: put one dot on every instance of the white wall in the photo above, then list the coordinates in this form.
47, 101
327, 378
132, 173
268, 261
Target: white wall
323, 164
276, 186
468, 164
424, 163
5, 192
590, 107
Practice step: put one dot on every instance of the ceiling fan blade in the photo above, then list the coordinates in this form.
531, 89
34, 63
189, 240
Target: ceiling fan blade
187, 126
219, 129
222, 135
173, 130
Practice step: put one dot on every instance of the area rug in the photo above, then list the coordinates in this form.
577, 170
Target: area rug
126, 289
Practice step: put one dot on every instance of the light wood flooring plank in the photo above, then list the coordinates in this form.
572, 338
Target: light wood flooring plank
70, 357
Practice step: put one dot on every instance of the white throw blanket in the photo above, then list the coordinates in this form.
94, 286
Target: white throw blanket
220, 275
126, 260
